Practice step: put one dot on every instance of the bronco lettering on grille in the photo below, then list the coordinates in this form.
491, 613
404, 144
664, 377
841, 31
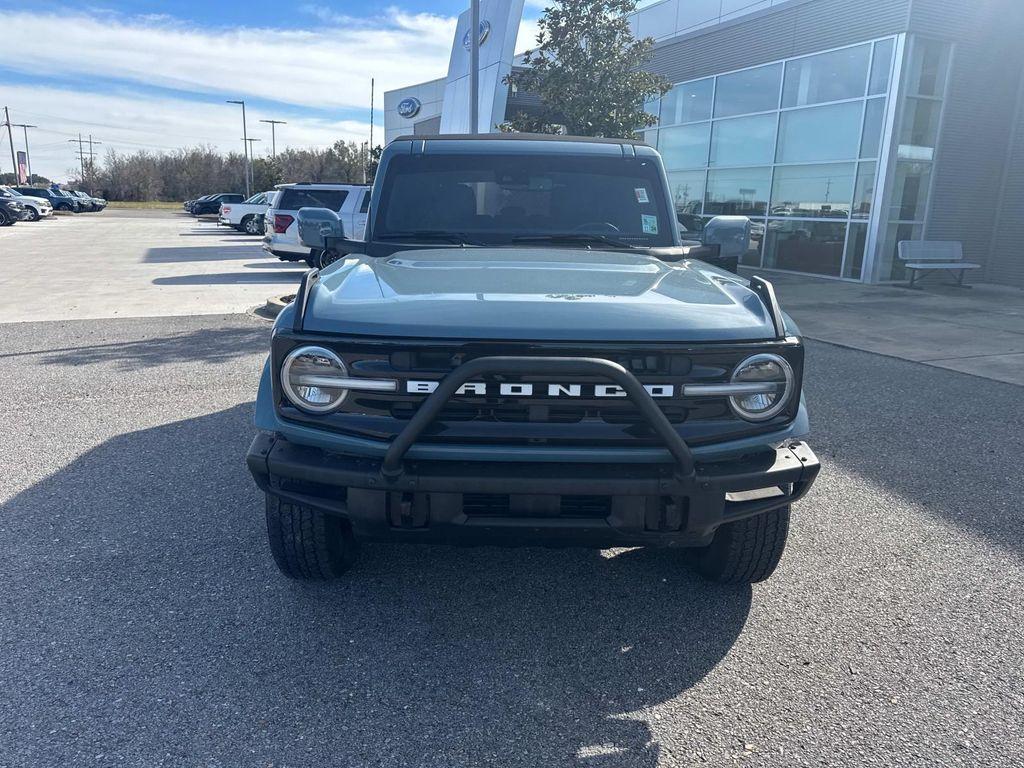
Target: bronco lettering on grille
507, 389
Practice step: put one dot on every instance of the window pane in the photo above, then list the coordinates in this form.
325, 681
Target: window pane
687, 103
687, 189
880, 66
753, 90
853, 261
910, 191
738, 191
927, 76
813, 190
889, 266
874, 117
919, 129
744, 140
820, 133
805, 246
864, 192
826, 77
685, 146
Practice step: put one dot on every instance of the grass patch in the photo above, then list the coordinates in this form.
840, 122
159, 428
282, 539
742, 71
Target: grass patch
154, 205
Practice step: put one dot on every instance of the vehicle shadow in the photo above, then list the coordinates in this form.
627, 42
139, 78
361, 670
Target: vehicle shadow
205, 345
151, 622
221, 278
224, 252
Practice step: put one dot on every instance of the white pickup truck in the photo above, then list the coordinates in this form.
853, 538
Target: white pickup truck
350, 201
248, 216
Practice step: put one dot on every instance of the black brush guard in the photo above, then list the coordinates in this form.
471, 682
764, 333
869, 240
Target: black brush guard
680, 503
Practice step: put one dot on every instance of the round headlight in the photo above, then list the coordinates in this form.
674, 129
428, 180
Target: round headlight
313, 378
770, 380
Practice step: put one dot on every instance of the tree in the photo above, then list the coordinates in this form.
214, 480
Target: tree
587, 70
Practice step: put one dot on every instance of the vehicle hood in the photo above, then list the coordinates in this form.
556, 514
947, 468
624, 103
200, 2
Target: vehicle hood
32, 199
538, 294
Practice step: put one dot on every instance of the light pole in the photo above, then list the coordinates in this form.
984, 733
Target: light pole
474, 67
10, 137
28, 155
273, 137
252, 179
245, 145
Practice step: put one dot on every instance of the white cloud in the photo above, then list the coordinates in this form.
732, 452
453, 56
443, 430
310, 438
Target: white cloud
129, 122
329, 67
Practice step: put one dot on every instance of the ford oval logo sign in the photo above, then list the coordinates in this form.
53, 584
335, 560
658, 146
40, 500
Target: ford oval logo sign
409, 107
485, 32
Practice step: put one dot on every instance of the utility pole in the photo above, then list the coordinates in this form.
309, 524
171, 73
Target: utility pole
10, 137
251, 180
273, 137
28, 155
81, 154
474, 67
245, 145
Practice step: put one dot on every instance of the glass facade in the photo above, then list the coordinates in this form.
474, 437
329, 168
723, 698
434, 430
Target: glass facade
794, 145
915, 137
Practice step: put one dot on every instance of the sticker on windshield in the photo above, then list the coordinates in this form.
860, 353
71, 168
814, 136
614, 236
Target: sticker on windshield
650, 223
641, 195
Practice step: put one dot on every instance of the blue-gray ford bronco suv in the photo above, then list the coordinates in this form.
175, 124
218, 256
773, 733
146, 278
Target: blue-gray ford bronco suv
523, 351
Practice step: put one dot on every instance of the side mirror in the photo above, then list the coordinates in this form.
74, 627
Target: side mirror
316, 225
732, 236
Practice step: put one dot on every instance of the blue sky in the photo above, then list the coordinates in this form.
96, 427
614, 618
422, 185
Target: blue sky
143, 75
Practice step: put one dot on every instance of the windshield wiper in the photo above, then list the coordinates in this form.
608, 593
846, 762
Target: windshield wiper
573, 237
459, 238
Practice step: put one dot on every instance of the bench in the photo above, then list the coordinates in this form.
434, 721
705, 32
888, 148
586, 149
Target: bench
933, 255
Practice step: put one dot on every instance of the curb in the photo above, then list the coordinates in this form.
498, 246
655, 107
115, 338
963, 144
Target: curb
275, 304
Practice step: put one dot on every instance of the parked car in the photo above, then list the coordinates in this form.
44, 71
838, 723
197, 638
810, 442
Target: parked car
350, 201
78, 205
11, 211
247, 216
212, 203
189, 204
522, 350
58, 202
37, 207
88, 201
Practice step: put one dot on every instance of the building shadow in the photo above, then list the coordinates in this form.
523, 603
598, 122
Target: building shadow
949, 442
151, 622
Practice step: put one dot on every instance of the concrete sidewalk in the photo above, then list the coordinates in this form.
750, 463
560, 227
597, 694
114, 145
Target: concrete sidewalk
977, 330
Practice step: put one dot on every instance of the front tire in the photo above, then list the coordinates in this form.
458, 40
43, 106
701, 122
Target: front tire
746, 551
307, 544
5, 220
33, 214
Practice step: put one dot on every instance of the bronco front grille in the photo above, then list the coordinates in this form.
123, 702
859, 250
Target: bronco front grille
583, 419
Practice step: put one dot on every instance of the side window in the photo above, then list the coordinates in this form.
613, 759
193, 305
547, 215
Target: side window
293, 199
365, 205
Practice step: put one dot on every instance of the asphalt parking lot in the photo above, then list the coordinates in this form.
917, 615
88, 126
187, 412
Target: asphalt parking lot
144, 623
134, 263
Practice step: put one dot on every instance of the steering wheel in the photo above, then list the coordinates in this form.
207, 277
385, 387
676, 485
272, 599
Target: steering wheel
591, 226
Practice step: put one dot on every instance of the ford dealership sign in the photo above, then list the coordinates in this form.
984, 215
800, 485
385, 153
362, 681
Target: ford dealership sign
409, 107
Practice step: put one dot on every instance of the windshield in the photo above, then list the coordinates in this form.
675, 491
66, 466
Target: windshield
502, 199
6, 192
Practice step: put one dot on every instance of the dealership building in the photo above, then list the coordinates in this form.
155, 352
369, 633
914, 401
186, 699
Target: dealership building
839, 127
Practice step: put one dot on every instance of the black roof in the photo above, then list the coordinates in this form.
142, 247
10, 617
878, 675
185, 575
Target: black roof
519, 137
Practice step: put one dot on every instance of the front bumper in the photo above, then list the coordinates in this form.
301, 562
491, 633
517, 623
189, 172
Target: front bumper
503, 503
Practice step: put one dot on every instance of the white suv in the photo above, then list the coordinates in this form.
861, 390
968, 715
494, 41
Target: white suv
37, 207
350, 201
